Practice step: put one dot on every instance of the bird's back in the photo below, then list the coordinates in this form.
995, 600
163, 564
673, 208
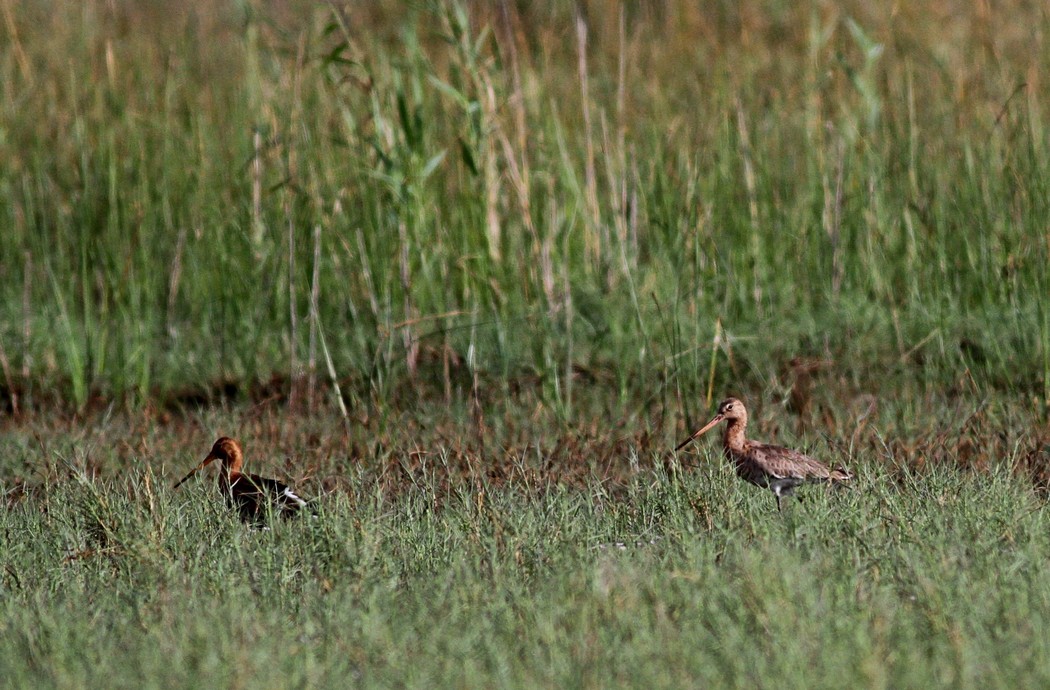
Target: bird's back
761, 462
253, 495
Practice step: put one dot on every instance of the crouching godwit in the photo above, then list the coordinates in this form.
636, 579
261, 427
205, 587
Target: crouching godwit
779, 469
251, 495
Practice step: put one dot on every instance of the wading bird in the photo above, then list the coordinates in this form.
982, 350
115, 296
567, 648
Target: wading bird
253, 497
773, 467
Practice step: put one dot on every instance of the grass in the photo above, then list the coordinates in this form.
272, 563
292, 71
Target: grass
445, 557
197, 196
471, 270
907, 579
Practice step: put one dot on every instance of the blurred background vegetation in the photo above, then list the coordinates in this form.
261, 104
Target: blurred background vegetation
514, 249
629, 206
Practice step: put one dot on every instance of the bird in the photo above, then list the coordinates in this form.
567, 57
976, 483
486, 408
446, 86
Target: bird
253, 497
779, 469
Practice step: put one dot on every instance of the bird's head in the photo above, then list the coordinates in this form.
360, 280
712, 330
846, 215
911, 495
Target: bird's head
732, 409
227, 451
729, 409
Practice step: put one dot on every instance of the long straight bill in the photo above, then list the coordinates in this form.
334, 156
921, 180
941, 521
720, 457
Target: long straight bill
700, 432
194, 471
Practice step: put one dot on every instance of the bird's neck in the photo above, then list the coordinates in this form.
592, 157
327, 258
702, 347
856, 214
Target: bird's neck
229, 473
734, 435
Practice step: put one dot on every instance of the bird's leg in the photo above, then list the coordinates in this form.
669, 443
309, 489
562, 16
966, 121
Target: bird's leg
782, 488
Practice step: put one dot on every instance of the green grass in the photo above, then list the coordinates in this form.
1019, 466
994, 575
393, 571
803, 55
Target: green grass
460, 196
471, 270
445, 557
901, 581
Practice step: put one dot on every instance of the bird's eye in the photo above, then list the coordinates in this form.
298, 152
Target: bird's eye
729, 407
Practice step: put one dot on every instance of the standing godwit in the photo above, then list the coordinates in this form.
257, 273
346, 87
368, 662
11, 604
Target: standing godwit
779, 469
251, 495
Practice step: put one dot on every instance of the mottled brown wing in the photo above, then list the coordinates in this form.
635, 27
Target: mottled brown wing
784, 463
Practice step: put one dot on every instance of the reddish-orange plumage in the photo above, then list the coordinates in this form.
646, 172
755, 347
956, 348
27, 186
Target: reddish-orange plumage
251, 495
773, 467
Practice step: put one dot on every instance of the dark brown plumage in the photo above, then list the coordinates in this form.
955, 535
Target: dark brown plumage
773, 467
252, 496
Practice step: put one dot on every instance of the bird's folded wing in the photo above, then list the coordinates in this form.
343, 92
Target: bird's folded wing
784, 463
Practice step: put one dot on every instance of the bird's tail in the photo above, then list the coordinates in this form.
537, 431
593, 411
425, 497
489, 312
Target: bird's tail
840, 474
312, 505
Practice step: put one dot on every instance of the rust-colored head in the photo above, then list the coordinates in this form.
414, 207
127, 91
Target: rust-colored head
730, 408
227, 451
